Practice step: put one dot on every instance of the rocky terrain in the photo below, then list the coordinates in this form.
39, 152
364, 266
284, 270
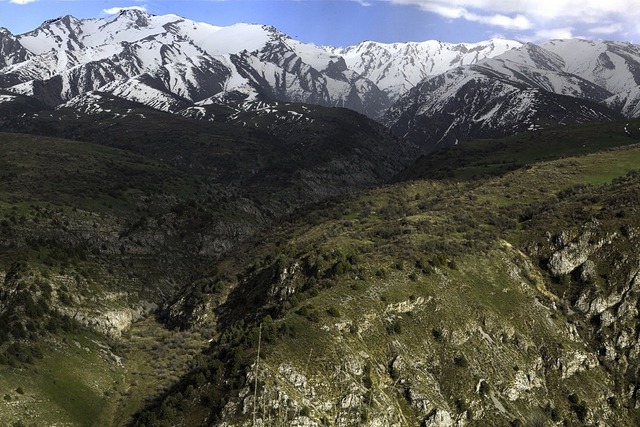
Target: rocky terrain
204, 225
95, 237
505, 299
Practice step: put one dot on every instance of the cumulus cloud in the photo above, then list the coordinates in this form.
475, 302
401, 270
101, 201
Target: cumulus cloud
607, 29
584, 10
116, 10
449, 11
554, 33
539, 17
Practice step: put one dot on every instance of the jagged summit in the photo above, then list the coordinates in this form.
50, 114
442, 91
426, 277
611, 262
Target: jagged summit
136, 54
397, 67
170, 62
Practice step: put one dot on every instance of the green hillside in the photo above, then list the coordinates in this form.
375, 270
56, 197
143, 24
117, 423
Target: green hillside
93, 238
490, 157
484, 296
507, 300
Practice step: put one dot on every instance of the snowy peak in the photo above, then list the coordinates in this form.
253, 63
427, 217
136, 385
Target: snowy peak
173, 64
139, 17
534, 56
11, 51
233, 39
53, 35
612, 65
398, 67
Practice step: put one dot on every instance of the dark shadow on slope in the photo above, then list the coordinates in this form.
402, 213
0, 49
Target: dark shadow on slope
475, 159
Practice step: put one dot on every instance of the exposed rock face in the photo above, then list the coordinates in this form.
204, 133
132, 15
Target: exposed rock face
573, 253
603, 294
458, 374
439, 418
108, 321
24, 286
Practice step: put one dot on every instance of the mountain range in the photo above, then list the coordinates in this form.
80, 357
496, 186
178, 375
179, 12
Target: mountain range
225, 226
431, 92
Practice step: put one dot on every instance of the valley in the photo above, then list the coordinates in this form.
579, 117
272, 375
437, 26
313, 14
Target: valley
225, 226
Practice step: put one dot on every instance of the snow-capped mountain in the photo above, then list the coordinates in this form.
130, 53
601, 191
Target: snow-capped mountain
433, 91
478, 102
168, 62
396, 68
559, 82
614, 66
165, 61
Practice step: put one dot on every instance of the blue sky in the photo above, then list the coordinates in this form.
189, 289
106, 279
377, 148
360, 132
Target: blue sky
348, 22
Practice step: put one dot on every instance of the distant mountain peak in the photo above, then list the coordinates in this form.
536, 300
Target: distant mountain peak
132, 11
274, 31
136, 17
167, 62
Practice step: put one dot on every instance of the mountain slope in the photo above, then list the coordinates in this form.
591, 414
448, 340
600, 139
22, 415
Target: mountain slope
145, 57
498, 300
482, 158
285, 155
489, 100
526, 87
396, 68
614, 66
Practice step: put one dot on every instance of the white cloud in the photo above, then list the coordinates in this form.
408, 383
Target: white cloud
539, 16
518, 22
116, 10
554, 33
585, 10
607, 29
21, 1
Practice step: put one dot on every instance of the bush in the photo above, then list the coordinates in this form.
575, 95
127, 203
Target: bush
333, 311
394, 328
460, 361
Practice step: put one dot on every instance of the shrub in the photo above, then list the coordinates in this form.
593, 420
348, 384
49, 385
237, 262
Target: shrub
460, 361
394, 328
333, 311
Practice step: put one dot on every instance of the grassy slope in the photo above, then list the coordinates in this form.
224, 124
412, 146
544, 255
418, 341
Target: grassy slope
487, 157
391, 273
72, 384
76, 174
84, 380
409, 245
61, 203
